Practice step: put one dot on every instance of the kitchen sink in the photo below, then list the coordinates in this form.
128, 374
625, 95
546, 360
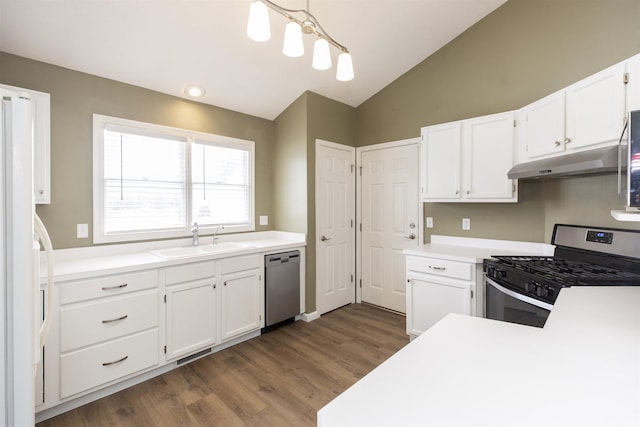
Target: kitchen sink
189, 251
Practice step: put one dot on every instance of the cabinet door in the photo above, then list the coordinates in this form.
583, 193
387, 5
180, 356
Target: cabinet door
596, 108
633, 87
441, 148
541, 127
191, 316
488, 151
428, 301
240, 306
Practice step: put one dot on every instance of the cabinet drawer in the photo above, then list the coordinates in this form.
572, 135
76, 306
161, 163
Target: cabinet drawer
90, 323
189, 272
241, 263
441, 267
105, 286
98, 365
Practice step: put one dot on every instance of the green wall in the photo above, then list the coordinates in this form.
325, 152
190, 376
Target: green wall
76, 96
310, 117
524, 50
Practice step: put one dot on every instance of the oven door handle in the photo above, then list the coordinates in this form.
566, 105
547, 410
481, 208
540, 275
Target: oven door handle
523, 298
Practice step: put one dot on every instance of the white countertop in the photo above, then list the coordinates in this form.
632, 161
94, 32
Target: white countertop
78, 263
581, 369
474, 250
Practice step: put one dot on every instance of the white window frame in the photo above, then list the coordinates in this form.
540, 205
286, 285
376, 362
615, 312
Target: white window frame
100, 122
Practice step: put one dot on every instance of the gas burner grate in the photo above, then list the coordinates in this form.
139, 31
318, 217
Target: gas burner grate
570, 272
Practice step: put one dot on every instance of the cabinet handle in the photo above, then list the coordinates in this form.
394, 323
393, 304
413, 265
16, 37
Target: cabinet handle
557, 143
468, 191
214, 286
115, 320
225, 283
115, 361
110, 288
567, 140
437, 268
457, 191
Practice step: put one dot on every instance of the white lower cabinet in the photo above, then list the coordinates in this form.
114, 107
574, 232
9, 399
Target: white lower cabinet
191, 317
241, 296
108, 330
111, 330
437, 287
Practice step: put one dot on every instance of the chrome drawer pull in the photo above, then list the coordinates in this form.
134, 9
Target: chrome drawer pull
115, 361
438, 268
109, 288
115, 320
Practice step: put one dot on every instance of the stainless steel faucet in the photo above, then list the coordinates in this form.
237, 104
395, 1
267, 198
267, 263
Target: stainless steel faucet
196, 238
215, 234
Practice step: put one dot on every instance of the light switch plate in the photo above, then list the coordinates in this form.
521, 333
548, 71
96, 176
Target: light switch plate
264, 220
429, 222
82, 231
466, 223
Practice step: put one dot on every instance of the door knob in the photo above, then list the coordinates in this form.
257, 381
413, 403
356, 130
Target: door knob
325, 238
410, 236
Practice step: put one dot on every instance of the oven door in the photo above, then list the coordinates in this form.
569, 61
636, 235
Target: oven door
510, 306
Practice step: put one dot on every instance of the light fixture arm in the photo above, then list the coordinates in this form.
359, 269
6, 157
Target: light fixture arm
310, 25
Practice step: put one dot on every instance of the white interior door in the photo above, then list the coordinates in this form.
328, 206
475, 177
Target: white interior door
335, 226
390, 220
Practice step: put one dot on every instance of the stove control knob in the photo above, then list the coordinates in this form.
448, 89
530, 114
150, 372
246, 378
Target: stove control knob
530, 287
542, 291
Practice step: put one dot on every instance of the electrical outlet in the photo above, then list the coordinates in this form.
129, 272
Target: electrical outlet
429, 222
264, 220
82, 231
466, 223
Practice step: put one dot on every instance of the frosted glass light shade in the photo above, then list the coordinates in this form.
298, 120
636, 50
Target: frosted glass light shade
345, 67
321, 55
293, 46
258, 28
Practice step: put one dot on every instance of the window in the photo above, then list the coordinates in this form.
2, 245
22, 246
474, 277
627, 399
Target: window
154, 181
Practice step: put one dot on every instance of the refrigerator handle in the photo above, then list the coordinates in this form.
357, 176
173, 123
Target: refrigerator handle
41, 231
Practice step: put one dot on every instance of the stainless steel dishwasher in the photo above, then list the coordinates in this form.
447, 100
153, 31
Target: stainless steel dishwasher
282, 288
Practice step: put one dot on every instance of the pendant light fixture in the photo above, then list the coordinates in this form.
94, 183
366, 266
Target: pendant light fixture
258, 29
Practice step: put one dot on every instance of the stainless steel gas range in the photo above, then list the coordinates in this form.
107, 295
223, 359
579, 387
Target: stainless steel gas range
523, 289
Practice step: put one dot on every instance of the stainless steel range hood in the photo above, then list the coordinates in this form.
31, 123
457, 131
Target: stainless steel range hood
595, 161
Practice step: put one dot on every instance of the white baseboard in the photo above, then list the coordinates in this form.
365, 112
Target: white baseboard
309, 317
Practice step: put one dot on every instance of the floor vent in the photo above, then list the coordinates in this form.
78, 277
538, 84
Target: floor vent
193, 356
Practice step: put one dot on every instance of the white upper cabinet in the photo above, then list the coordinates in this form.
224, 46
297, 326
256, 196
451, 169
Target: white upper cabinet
468, 160
440, 148
596, 109
488, 147
633, 87
41, 142
587, 114
542, 126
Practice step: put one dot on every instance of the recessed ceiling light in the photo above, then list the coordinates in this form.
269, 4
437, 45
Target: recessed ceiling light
194, 91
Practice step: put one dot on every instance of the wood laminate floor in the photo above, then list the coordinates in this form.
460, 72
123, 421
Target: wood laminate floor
281, 378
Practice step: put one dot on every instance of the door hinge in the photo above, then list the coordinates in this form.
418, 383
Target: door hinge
625, 78
352, 278
351, 223
360, 226
360, 283
260, 317
514, 122
165, 298
360, 170
471, 290
513, 189
165, 349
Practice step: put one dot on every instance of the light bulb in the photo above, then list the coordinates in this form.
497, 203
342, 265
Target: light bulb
345, 67
293, 46
321, 55
258, 28
194, 91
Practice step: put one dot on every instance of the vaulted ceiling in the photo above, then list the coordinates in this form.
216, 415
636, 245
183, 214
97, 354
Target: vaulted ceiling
165, 45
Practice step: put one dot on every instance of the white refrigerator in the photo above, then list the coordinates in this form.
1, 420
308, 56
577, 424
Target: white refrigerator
21, 329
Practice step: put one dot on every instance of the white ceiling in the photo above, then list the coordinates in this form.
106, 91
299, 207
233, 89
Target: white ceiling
165, 45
